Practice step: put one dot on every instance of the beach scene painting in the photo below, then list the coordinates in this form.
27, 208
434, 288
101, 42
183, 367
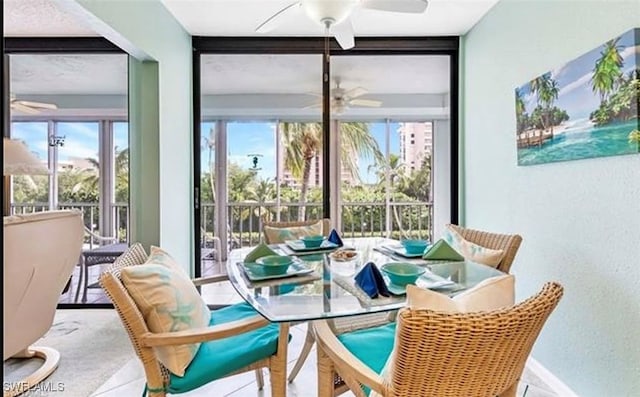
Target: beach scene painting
585, 108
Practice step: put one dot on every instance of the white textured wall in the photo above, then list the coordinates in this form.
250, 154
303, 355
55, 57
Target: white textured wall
580, 219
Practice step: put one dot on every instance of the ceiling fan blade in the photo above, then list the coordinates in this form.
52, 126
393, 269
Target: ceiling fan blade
313, 106
276, 19
38, 105
355, 92
369, 103
406, 6
343, 32
15, 105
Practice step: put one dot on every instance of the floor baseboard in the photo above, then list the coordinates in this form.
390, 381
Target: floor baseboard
554, 383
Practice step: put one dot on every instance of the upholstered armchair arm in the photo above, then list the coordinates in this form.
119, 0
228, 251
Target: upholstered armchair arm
344, 360
204, 334
209, 279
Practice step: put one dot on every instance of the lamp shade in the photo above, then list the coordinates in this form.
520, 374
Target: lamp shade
18, 160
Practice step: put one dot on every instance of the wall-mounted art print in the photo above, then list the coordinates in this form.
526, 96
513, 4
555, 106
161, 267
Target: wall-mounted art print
585, 108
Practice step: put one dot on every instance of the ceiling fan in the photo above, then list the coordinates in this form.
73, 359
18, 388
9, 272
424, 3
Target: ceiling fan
29, 107
334, 15
342, 99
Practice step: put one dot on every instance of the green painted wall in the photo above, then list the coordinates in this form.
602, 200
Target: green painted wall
580, 220
145, 149
162, 197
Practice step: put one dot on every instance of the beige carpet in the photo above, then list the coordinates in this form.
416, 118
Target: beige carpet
93, 345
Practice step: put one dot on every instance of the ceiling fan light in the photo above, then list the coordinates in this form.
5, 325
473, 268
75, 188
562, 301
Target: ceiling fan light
333, 11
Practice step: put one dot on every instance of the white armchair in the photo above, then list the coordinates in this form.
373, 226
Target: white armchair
40, 253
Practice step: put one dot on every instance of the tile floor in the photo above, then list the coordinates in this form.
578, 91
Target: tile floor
129, 380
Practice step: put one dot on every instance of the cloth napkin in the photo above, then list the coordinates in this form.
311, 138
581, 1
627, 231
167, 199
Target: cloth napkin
371, 281
442, 251
334, 237
258, 252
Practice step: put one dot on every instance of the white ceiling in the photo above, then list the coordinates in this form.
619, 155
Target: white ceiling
407, 85
241, 17
33, 18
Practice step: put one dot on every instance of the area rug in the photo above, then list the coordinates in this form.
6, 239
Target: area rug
93, 345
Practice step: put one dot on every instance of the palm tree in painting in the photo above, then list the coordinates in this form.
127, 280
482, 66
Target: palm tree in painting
302, 143
548, 94
520, 111
607, 70
546, 90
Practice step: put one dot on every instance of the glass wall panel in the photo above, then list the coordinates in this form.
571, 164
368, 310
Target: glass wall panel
260, 147
77, 124
382, 107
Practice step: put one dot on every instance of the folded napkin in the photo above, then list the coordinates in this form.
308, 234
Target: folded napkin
371, 281
258, 252
334, 237
442, 251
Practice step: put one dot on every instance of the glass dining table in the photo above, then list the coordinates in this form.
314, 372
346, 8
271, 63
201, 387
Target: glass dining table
326, 288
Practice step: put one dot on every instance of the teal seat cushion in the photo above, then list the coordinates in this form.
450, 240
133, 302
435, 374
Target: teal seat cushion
218, 358
372, 346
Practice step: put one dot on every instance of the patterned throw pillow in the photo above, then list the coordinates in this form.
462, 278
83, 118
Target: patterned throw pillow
473, 252
490, 294
282, 234
169, 302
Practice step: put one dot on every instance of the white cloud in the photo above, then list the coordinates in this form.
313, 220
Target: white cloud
77, 150
629, 51
575, 84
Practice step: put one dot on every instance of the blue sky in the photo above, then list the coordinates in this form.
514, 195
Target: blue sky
246, 139
81, 138
574, 79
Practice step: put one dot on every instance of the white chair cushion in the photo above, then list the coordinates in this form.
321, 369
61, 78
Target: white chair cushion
471, 251
490, 294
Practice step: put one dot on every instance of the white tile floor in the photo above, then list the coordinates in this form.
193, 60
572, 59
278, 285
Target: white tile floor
129, 380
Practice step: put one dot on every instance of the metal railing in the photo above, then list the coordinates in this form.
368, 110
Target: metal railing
91, 217
368, 219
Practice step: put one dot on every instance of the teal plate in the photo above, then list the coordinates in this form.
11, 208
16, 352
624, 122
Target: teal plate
298, 245
400, 250
255, 272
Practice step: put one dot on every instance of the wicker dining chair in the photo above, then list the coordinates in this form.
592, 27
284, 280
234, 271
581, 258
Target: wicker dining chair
481, 354
158, 377
309, 339
326, 228
509, 243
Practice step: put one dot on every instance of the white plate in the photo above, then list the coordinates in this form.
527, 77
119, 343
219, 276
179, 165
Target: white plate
339, 259
426, 281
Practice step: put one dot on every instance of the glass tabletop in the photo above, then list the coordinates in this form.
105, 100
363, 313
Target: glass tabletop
329, 290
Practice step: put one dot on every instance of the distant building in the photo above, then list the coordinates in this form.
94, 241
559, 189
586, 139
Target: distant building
416, 141
315, 174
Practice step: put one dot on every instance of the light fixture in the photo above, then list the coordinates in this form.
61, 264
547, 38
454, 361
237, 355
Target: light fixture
18, 160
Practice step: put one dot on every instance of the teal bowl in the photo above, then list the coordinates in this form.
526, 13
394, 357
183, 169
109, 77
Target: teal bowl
275, 265
312, 241
401, 273
414, 247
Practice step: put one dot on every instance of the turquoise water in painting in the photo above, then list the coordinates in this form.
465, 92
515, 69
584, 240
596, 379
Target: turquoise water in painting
581, 142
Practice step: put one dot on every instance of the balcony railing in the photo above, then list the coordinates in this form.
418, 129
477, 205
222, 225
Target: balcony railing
406, 219
91, 217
